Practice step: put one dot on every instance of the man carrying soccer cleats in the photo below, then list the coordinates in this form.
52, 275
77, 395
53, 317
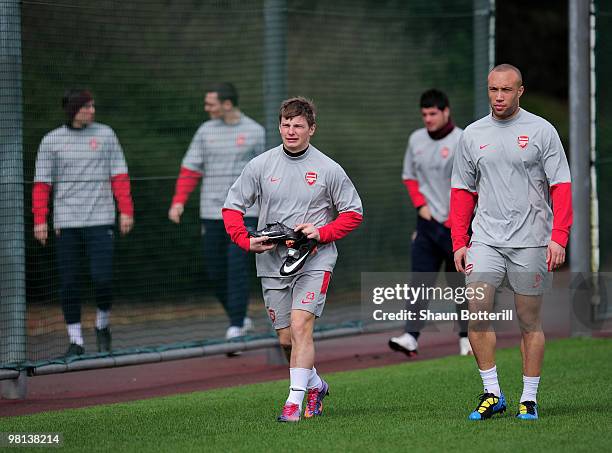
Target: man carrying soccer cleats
297, 186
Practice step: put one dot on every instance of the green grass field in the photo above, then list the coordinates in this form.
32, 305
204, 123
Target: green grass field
419, 406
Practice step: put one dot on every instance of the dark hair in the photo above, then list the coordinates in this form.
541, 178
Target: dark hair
226, 92
73, 100
298, 106
434, 98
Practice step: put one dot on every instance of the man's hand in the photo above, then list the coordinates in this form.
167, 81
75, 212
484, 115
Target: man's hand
258, 245
175, 212
555, 255
460, 259
424, 212
126, 223
309, 230
41, 232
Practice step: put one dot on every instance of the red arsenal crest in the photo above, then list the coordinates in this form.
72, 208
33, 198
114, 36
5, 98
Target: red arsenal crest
240, 140
311, 177
93, 144
444, 152
523, 140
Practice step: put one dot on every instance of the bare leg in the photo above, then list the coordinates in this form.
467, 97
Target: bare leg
480, 332
284, 338
303, 351
532, 336
299, 339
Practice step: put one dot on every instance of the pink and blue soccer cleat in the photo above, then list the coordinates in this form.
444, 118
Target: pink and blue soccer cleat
291, 413
314, 401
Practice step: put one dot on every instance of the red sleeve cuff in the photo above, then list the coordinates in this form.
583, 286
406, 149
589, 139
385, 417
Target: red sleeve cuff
120, 185
40, 202
561, 197
412, 185
560, 237
186, 182
462, 203
234, 225
343, 225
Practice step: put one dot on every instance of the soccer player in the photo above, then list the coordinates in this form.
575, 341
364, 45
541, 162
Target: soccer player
218, 152
83, 164
299, 186
511, 165
428, 164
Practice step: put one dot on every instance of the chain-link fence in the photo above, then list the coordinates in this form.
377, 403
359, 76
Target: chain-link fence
148, 65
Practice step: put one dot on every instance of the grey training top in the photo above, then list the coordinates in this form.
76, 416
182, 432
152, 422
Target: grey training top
309, 188
220, 151
511, 165
430, 162
79, 164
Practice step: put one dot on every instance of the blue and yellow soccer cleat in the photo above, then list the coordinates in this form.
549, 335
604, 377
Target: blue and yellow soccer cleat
528, 410
314, 404
489, 405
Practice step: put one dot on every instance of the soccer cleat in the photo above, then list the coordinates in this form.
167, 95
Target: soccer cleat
297, 253
74, 350
299, 247
489, 405
277, 233
314, 401
465, 348
291, 413
528, 410
104, 339
405, 343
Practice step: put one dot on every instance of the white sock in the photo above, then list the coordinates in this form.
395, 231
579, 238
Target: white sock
74, 333
530, 388
490, 382
315, 381
299, 382
102, 319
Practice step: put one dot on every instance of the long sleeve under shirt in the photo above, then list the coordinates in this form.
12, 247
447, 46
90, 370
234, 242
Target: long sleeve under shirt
428, 165
80, 164
218, 152
309, 188
512, 166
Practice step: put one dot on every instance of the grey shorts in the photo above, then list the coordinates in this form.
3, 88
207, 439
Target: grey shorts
306, 291
523, 270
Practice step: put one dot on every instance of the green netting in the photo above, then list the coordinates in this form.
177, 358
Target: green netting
148, 64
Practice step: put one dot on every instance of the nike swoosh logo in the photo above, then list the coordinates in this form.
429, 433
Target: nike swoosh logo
305, 303
484, 146
290, 268
272, 179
